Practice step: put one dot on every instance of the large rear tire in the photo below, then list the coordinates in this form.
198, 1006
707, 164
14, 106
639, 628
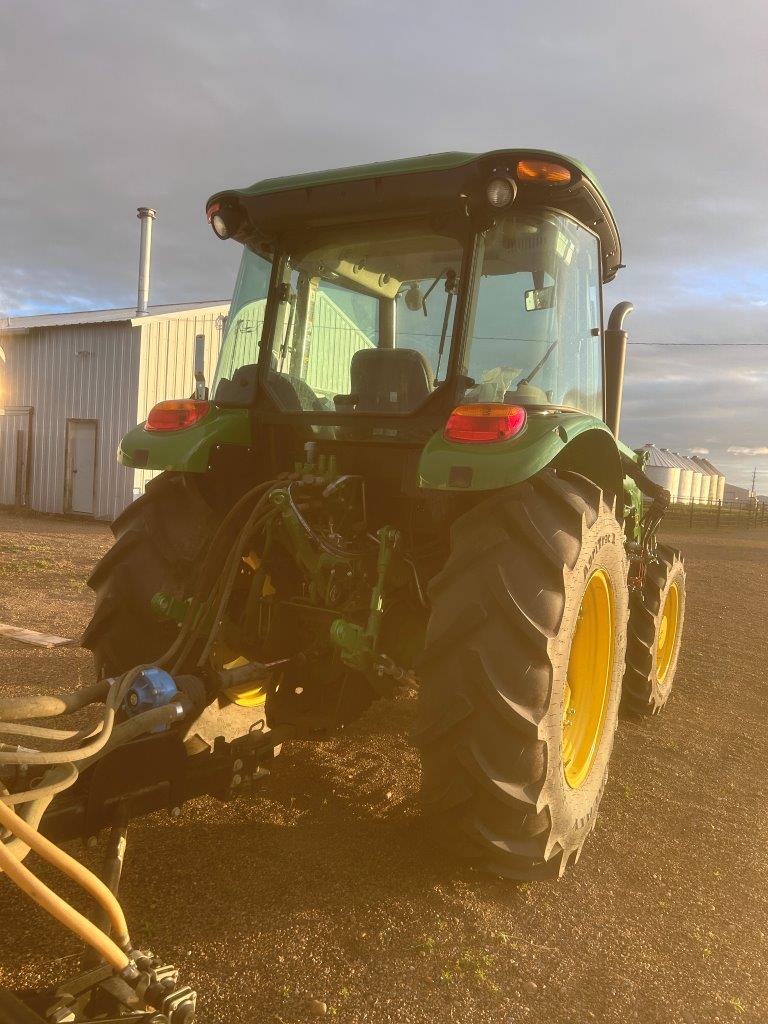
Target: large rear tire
519, 699
656, 616
159, 540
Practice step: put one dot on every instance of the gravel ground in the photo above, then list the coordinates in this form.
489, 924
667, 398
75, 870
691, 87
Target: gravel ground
323, 885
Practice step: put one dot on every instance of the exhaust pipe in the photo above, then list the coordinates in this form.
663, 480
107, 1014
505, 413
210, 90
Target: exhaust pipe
146, 216
615, 356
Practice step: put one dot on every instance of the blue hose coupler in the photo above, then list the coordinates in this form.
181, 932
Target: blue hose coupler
152, 688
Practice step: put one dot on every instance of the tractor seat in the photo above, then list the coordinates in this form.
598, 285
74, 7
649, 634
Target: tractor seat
389, 379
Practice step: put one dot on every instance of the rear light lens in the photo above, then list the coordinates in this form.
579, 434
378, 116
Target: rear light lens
500, 191
225, 218
543, 172
177, 414
484, 423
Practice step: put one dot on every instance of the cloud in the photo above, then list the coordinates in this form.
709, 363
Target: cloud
737, 450
699, 451
304, 86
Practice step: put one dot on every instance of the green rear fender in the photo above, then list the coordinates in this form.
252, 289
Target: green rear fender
187, 450
569, 440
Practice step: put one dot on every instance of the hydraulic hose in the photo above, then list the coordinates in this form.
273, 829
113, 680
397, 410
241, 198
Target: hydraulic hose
115, 691
207, 588
25, 756
254, 524
46, 706
32, 804
70, 867
42, 733
62, 911
147, 721
67, 777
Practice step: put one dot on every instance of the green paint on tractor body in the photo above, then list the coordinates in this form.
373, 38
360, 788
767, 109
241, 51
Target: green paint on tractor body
189, 450
449, 189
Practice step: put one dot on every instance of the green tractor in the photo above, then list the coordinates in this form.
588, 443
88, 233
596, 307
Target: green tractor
416, 391
405, 474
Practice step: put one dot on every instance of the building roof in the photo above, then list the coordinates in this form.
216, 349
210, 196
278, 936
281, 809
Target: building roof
707, 466
684, 462
106, 316
659, 456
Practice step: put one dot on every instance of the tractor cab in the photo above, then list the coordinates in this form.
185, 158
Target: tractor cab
373, 302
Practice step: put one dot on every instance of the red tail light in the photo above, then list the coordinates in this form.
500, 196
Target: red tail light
177, 414
484, 424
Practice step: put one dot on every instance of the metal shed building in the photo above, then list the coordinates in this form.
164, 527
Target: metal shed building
74, 383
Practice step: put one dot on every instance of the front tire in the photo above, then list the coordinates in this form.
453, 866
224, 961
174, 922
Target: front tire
657, 613
519, 702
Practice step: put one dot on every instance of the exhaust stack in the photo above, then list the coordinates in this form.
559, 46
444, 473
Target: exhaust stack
146, 216
615, 356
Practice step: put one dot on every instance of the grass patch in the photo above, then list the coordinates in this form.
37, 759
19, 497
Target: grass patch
25, 566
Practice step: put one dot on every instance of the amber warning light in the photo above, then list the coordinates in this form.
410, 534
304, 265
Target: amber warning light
484, 423
544, 172
177, 414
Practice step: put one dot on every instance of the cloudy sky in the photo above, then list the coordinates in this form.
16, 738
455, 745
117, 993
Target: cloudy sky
106, 105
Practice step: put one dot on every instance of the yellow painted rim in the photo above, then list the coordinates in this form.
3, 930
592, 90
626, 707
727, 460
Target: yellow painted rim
590, 668
669, 626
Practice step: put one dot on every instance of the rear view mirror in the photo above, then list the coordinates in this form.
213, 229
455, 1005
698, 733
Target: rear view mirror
540, 298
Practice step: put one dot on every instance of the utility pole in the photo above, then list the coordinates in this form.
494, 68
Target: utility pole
754, 482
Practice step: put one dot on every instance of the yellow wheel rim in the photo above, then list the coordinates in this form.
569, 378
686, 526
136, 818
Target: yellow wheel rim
668, 628
590, 668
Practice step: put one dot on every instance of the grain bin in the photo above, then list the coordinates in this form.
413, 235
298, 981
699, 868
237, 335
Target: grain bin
686, 476
661, 468
697, 477
717, 480
709, 481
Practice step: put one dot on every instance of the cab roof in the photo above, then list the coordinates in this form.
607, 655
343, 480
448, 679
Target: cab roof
410, 186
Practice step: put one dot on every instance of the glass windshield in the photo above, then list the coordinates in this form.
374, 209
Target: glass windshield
364, 317
535, 339
364, 320
240, 346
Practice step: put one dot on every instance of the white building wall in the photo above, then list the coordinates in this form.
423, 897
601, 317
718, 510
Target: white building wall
167, 364
85, 371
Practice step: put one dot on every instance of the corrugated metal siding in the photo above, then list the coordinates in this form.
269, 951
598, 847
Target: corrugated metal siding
167, 364
77, 372
658, 456
14, 465
331, 341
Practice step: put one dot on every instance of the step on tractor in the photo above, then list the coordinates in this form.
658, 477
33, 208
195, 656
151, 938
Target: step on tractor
405, 476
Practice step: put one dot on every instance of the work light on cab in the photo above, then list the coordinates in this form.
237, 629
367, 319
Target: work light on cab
225, 219
543, 172
217, 222
500, 191
484, 423
177, 414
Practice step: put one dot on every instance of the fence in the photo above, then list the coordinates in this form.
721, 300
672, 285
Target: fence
744, 514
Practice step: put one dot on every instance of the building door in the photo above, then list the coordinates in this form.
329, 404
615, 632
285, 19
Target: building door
80, 470
15, 431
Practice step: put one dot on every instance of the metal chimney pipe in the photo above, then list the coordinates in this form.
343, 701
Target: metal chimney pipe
146, 216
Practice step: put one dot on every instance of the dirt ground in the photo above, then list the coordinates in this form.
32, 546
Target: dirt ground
322, 883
